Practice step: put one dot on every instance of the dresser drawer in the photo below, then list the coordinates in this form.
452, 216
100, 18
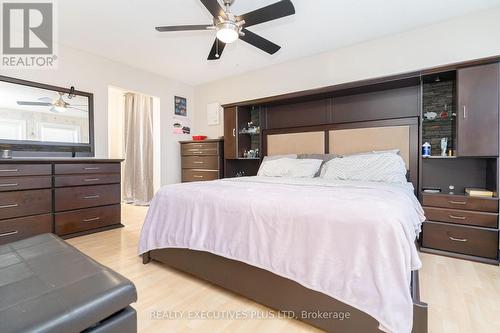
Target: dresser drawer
16, 229
69, 198
200, 149
24, 183
25, 203
93, 179
86, 219
88, 168
200, 162
488, 220
461, 239
460, 202
199, 175
14, 170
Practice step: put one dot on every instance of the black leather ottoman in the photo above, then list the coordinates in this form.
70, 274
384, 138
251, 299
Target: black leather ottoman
46, 285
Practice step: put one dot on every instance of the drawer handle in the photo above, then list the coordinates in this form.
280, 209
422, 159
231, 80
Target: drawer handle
92, 196
198, 162
457, 217
9, 185
9, 170
9, 233
200, 177
9, 206
91, 180
458, 202
92, 219
91, 168
463, 240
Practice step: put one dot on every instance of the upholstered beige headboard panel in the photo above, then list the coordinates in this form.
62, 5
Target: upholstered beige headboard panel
296, 143
358, 140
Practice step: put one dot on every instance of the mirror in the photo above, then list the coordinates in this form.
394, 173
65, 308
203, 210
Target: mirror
32, 112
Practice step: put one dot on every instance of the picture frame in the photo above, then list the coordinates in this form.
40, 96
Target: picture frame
180, 106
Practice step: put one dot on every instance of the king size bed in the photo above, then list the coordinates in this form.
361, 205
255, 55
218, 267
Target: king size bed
338, 253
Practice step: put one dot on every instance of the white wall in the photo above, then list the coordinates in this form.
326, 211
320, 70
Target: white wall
95, 74
469, 37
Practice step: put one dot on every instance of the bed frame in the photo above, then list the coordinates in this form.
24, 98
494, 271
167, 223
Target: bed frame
280, 293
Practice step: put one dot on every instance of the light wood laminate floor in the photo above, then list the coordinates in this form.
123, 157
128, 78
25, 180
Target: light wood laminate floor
462, 296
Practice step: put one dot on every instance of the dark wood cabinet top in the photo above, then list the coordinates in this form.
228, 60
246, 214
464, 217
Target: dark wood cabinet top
202, 141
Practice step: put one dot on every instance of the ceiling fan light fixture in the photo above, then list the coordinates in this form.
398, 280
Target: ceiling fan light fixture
228, 32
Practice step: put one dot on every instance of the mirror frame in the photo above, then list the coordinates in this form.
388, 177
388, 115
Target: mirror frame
82, 149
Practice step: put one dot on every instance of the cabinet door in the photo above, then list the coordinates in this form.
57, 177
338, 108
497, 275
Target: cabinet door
230, 137
478, 94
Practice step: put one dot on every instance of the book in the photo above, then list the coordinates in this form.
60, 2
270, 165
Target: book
478, 192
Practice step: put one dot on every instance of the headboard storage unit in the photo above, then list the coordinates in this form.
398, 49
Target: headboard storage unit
459, 102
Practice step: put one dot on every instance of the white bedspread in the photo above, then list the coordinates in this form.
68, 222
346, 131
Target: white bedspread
352, 241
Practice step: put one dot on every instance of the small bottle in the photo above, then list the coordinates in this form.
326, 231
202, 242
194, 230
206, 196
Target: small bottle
426, 149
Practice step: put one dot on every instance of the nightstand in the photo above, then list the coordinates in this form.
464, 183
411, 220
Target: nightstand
461, 226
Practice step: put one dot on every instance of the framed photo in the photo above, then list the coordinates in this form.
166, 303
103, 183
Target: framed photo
180, 106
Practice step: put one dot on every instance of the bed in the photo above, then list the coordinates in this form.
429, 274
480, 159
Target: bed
340, 255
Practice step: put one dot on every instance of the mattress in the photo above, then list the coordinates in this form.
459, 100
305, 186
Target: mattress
353, 241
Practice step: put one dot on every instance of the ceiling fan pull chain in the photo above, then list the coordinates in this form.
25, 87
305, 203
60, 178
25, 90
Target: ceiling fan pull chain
217, 47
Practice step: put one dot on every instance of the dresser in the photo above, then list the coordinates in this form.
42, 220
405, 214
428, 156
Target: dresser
461, 226
202, 160
68, 197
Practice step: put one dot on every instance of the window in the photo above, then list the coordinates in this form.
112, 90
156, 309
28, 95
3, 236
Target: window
59, 133
12, 129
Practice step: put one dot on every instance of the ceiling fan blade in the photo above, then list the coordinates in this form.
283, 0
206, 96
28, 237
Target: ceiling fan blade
184, 28
214, 8
218, 46
45, 99
259, 42
33, 103
272, 12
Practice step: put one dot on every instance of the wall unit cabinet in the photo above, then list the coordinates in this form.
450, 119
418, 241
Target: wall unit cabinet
478, 108
458, 102
230, 127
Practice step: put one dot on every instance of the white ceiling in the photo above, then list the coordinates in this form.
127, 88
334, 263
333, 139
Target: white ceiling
124, 31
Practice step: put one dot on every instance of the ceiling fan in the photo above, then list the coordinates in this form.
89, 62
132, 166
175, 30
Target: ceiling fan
232, 27
57, 104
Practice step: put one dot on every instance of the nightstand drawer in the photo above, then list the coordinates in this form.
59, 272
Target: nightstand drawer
461, 239
199, 175
460, 202
488, 220
200, 162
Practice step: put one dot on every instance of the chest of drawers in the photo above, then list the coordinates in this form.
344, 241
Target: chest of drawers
461, 226
202, 160
66, 197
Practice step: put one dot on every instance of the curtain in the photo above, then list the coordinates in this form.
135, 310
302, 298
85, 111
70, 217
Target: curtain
138, 185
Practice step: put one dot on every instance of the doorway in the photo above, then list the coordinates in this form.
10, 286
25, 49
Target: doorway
134, 135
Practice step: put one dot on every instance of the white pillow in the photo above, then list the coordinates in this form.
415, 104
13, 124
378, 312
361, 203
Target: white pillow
383, 167
290, 167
